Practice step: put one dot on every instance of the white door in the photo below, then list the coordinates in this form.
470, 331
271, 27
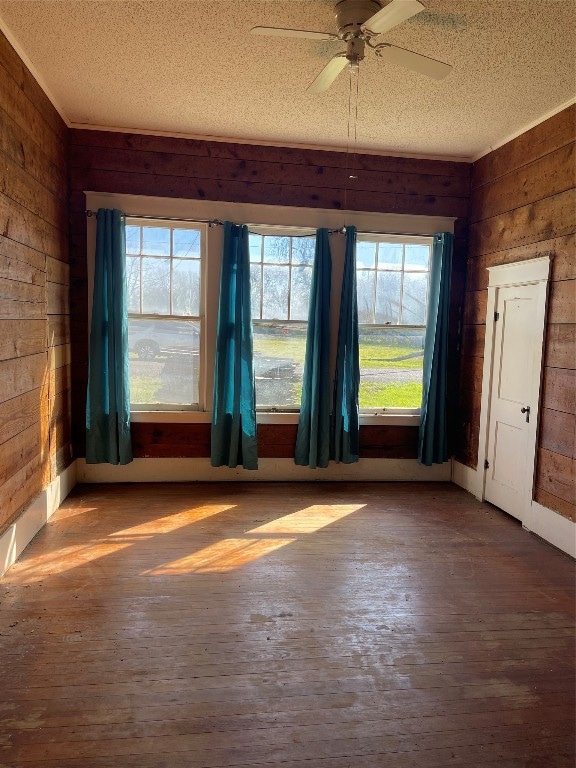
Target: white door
514, 393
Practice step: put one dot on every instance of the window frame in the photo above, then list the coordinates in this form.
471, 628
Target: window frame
280, 231
378, 237
272, 217
201, 227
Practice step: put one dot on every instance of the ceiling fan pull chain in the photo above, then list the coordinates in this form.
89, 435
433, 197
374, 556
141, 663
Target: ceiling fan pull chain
353, 176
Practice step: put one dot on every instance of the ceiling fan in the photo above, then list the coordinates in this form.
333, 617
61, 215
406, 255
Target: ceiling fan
359, 21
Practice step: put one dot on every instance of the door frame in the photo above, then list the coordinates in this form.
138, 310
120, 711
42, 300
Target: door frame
527, 272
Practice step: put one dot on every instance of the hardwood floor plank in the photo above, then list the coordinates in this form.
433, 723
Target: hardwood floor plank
202, 626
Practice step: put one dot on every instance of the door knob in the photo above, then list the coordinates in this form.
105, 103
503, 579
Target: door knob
526, 410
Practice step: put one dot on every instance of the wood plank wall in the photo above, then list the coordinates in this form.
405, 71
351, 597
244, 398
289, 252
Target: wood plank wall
168, 167
523, 205
35, 397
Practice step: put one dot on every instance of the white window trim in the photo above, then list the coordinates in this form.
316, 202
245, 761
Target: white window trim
274, 217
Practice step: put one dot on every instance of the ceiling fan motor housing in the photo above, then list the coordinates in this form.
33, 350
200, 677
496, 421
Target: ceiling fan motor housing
351, 14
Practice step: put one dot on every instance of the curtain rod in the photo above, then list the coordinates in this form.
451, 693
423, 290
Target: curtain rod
218, 223
210, 222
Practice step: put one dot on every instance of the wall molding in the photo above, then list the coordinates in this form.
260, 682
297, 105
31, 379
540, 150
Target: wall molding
551, 527
18, 535
155, 470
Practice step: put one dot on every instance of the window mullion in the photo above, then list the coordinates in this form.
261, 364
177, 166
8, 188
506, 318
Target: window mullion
141, 260
401, 307
290, 279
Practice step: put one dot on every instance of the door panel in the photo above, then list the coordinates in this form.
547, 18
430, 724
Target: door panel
515, 385
505, 463
515, 348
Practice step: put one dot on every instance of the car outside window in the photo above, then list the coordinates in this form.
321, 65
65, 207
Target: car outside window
281, 276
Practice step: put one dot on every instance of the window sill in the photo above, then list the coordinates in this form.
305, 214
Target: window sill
202, 417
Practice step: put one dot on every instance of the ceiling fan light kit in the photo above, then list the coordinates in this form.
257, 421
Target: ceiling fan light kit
358, 21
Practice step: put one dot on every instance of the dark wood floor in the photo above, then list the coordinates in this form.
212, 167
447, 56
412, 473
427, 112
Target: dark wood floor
293, 625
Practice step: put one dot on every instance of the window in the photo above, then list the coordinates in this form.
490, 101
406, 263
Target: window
281, 276
392, 277
173, 269
164, 275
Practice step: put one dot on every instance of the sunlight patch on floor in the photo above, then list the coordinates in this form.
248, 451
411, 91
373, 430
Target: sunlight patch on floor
65, 559
174, 522
223, 556
310, 519
229, 554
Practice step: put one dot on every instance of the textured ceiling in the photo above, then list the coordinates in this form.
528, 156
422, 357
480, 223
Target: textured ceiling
191, 67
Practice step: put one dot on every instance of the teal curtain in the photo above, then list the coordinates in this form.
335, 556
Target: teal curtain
234, 411
108, 396
432, 439
345, 431
313, 437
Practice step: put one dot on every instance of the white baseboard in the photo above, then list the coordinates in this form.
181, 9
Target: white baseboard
467, 478
199, 470
17, 537
551, 527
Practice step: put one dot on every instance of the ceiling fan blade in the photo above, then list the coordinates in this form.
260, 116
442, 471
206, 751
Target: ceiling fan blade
328, 74
415, 61
302, 33
391, 15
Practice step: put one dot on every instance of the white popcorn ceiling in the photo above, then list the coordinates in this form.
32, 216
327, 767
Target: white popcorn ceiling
191, 67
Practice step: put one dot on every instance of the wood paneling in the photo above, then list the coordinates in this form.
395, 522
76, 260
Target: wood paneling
543, 220
25, 301
522, 207
263, 171
559, 389
33, 284
550, 175
560, 346
565, 508
558, 432
18, 339
562, 302
473, 338
18, 259
30, 156
539, 141
187, 168
253, 152
300, 625
19, 73
274, 441
560, 250
20, 413
256, 192
556, 475
475, 308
